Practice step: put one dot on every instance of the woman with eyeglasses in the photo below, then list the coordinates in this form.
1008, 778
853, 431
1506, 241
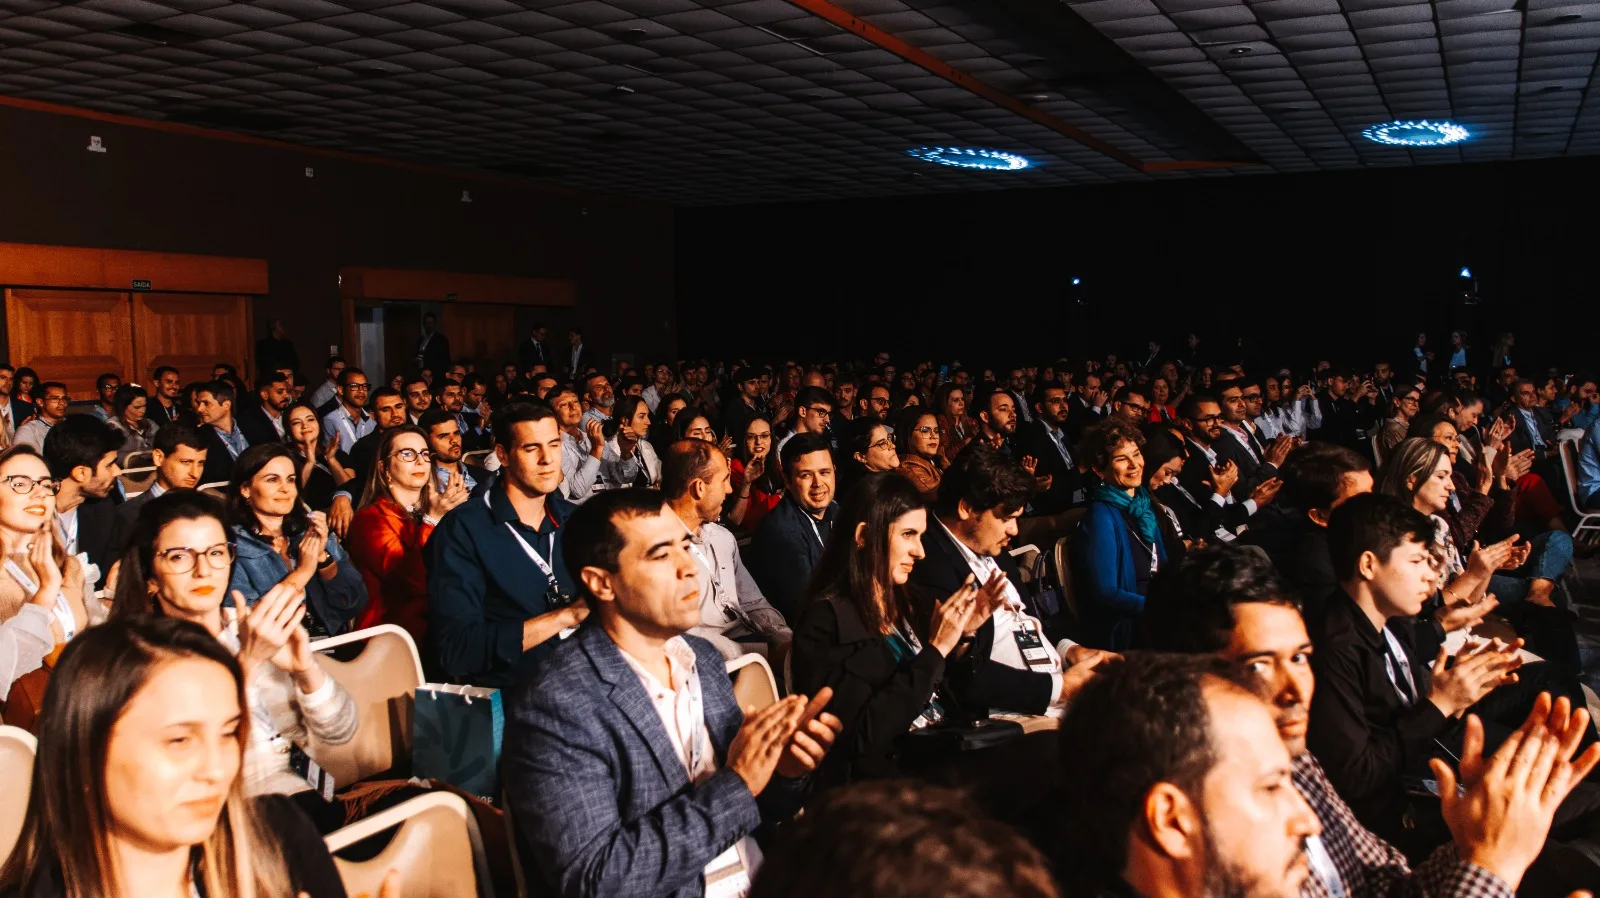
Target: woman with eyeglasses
753, 472
136, 787
43, 602
398, 512
320, 471
870, 448
278, 541
917, 442
179, 564
138, 432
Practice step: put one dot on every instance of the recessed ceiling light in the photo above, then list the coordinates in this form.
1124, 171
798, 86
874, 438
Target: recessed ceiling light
970, 157
1238, 51
1417, 134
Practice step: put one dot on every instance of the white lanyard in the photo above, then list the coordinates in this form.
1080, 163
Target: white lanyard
1394, 658
543, 565
1243, 439
815, 529
61, 610
69, 533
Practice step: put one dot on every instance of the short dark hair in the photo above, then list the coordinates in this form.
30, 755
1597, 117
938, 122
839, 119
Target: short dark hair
799, 445
176, 433
349, 372
161, 372
1101, 440
220, 390
334, 360
383, 392
1376, 523
267, 378
987, 396
984, 478
1128, 392
78, 441
514, 413
808, 395
1190, 408
592, 538
1189, 605
1313, 474
101, 381
432, 418
684, 462
1142, 722
46, 387
901, 839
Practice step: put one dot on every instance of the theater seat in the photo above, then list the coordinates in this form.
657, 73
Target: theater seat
17, 749
1063, 571
753, 683
435, 847
382, 678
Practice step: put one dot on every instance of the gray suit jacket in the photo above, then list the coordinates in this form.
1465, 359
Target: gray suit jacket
603, 805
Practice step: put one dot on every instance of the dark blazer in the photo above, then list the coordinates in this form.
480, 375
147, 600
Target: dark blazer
482, 587
1253, 469
531, 352
219, 461
1522, 437
1081, 416
1066, 482
976, 681
601, 800
875, 696
127, 514
1104, 578
256, 426
21, 411
97, 522
436, 355
585, 359
784, 551
361, 459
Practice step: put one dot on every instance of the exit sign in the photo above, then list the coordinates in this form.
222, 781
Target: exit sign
141, 285
451, 297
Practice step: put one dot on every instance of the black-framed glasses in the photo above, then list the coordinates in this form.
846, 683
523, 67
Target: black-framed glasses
357, 386
1208, 419
22, 484
820, 412
1141, 409
410, 455
182, 559
927, 431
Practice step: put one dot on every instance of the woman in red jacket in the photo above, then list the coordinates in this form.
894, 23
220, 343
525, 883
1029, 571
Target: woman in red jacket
401, 505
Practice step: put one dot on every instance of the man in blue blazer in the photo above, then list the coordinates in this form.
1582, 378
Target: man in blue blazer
629, 768
789, 542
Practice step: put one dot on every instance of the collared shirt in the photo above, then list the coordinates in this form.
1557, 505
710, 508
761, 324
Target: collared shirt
573, 366
100, 412
155, 489
445, 475
346, 428
323, 394
1059, 438
1458, 359
580, 471
731, 604
593, 413
275, 420
1537, 438
651, 397
233, 439
32, 433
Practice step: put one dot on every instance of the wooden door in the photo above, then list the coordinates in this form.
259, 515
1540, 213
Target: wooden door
483, 332
72, 336
192, 333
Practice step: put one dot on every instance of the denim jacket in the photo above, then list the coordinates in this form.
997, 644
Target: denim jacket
258, 568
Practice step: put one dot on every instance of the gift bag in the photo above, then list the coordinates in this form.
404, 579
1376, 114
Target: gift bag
456, 734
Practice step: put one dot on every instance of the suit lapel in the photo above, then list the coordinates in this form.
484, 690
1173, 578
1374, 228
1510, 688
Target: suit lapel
628, 694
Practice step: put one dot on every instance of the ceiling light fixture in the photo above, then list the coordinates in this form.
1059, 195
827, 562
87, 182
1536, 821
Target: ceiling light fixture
970, 157
1417, 134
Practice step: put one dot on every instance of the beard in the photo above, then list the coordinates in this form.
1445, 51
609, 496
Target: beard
1227, 880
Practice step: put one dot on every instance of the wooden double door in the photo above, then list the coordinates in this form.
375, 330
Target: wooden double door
74, 336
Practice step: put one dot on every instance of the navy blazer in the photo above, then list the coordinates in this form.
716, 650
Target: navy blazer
602, 803
785, 550
1104, 579
482, 587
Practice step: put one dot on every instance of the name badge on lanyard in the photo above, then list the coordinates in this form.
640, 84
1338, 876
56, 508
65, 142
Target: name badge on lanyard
553, 595
60, 609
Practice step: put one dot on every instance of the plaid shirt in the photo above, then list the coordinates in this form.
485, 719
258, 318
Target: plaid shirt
1370, 867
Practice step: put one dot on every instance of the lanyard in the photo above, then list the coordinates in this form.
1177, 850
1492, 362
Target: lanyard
1398, 669
815, 529
69, 532
543, 565
61, 610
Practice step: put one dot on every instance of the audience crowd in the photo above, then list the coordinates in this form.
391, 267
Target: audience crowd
1166, 627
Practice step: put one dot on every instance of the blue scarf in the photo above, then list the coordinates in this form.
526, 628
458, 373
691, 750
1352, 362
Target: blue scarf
1137, 508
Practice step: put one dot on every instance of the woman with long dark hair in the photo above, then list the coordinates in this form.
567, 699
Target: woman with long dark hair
129, 407
867, 448
955, 426
918, 441
628, 458
753, 472
661, 432
136, 784
859, 634
320, 471
279, 541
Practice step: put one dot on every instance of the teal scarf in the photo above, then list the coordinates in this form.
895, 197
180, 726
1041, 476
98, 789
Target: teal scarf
1137, 508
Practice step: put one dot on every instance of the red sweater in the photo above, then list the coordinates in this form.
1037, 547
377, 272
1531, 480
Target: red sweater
385, 544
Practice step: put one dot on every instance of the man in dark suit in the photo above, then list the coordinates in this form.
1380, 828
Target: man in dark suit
263, 422
578, 357
627, 754
81, 453
433, 349
1535, 425
179, 456
213, 405
444, 440
1257, 461
1045, 439
389, 411
531, 351
789, 542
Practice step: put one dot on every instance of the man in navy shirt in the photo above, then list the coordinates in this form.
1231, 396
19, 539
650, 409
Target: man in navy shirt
499, 594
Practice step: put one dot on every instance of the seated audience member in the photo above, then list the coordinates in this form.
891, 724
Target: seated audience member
1013, 663
918, 443
1580, 408
1180, 787
444, 440
628, 458
1118, 546
1230, 603
957, 429
1131, 404
858, 632
598, 396
50, 410
498, 590
1087, 406
869, 447
583, 445
418, 397
845, 389
1318, 478
263, 421
322, 473
997, 422
694, 424
45, 596
349, 421
661, 421
388, 412
1256, 460
1483, 501
279, 541
1206, 474
399, 509
81, 452
733, 612
179, 455
178, 565
1045, 440
813, 409
901, 839
136, 785
660, 387
213, 408
1163, 458
1535, 426
1346, 416
790, 541
749, 400
757, 480
1404, 407
105, 392
876, 401
1162, 409
1588, 485
627, 761
129, 417
325, 398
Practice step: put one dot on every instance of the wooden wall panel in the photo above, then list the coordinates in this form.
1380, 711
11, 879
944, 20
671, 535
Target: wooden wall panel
192, 333
71, 336
29, 264
485, 333
437, 286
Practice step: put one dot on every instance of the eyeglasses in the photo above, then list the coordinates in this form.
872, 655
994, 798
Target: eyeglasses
928, 431
182, 559
23, 485
357, 386
1208, 419
884, 443
410, 455
1141, 409
820, 411
1252, 397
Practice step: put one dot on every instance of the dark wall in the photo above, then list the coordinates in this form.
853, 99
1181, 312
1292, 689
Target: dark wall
1347, 265
158, 191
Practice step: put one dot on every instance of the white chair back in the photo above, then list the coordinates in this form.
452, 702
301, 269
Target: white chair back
753, 683
382, 680
17, 751
436, 849
1588, 521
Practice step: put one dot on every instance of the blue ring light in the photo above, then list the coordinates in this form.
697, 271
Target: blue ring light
1417, 134
970, 157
